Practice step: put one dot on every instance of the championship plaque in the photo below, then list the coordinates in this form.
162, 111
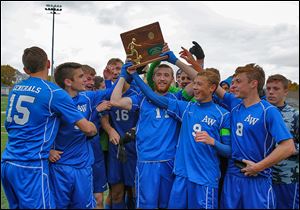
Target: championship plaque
143, 45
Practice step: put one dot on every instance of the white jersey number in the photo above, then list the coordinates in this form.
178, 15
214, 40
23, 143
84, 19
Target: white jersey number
21, 109
158, 114
122, 114
196, 128
239, 129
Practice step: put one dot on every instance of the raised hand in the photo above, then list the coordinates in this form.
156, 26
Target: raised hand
186, 55
107, 73
126, 72
165, 48
197, 50
166, 52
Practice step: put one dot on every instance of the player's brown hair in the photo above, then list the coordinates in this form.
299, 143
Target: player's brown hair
34, 59
279, 78
114, 61
253, 72
65, 71
88, 70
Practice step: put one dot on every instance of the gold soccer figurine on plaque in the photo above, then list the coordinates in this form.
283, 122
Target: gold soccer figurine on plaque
143, 45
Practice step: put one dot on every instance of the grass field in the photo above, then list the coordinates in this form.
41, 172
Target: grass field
4, 204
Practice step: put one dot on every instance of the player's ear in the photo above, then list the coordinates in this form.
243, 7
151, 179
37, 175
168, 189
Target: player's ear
48, 64
26, 70
68, 82
213, 88
286, 92
254, 83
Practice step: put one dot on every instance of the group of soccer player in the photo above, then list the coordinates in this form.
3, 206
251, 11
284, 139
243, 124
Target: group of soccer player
196, 143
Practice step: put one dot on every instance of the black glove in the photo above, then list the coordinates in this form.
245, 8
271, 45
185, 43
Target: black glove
140, 70
121, 154
197, 50
129, 136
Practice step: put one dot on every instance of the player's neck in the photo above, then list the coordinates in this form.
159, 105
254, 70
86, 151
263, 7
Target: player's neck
161, 93
280, 103
71, 92
205, 100
41, 74
251, 99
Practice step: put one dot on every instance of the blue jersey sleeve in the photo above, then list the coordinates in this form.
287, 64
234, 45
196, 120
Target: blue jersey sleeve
108, 84
224, 148
98, 96
230, 100
63, 104
176, 108
136, 101
276, 125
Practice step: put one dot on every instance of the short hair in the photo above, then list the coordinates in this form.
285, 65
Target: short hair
34, 59
65, 71
98, 80
211, 77
214, 70
253, 72
88, 70
178, 72
279, 78
163, 66
114, 61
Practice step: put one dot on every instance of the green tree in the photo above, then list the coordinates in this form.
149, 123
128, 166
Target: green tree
293, 86
8, 75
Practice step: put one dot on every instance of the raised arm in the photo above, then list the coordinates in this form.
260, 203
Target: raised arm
186, 55
116, 97
220, 92
192, 73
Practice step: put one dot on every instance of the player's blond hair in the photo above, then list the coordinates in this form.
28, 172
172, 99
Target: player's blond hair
253, 72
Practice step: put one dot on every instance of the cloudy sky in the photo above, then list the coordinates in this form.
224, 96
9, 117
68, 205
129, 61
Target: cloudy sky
231, 33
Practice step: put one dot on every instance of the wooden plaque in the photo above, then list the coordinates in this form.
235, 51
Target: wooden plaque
143, 45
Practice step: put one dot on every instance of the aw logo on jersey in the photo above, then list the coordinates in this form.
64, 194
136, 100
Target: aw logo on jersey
82, 108
208, 120
251, 120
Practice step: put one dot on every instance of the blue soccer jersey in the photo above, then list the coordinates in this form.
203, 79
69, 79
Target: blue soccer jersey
35, 107
77, 150
197, 161
157, 132
122, 121
255, 131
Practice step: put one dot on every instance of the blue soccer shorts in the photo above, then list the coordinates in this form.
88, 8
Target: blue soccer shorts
99, 177
73, 187
247, 192
154, 181
26, 184
287, 195
119, 172
190, 195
